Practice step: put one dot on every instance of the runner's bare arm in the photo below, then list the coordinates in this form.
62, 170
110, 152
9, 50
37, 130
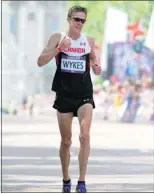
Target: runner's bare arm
93, 58
50, 51
94, 64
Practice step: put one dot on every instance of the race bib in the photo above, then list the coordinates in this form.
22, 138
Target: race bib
73, 64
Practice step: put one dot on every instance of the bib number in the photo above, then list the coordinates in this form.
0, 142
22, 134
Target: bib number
73, 64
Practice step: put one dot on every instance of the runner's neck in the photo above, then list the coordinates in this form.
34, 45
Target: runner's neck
73, 36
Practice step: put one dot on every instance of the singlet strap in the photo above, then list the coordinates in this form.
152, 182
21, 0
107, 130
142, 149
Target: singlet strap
63, 34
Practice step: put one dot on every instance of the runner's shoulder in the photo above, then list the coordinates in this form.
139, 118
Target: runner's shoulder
56, 36
91, 40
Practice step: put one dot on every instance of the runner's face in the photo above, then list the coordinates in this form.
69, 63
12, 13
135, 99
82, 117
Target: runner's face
77, 21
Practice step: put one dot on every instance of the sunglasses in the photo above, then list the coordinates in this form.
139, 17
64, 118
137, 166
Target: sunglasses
79, 20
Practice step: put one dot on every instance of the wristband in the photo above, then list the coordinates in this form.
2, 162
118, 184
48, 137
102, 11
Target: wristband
59, 49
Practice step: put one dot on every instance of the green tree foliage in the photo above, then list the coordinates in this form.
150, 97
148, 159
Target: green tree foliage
97, 13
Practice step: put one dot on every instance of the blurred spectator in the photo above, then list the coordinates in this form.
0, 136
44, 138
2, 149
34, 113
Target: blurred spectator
130, 101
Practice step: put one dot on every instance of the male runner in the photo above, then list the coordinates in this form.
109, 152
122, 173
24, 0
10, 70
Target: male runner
75, 54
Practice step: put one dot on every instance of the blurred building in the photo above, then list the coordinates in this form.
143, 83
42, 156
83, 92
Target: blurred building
26, 28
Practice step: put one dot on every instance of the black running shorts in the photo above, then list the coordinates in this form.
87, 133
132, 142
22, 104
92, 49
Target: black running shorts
67, 104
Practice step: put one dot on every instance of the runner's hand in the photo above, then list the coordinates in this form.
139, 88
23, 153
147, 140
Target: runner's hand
65, 43
97, 69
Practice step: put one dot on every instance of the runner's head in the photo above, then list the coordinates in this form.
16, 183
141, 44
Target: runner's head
76, 18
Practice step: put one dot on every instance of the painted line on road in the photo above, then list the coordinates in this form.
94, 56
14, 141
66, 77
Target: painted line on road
91, 179
130, 159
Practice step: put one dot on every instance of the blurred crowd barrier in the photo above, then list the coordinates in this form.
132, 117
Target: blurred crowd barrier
132, 101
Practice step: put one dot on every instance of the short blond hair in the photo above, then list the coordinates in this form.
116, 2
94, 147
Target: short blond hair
76, 8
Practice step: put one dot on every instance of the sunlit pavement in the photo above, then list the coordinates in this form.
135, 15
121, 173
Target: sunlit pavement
121, 159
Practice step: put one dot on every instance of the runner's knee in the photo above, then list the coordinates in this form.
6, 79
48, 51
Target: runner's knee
84, 138
66, 142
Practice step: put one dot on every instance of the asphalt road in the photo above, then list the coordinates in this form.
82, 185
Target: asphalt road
121, 160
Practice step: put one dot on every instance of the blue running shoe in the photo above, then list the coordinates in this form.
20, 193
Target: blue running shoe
81, 188
66, 188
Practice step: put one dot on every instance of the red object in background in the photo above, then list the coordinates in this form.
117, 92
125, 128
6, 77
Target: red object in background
114, 79
137, 33
135, 30
134, 27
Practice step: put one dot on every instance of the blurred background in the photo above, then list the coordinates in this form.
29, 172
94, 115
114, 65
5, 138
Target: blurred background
124, 45
122, 152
